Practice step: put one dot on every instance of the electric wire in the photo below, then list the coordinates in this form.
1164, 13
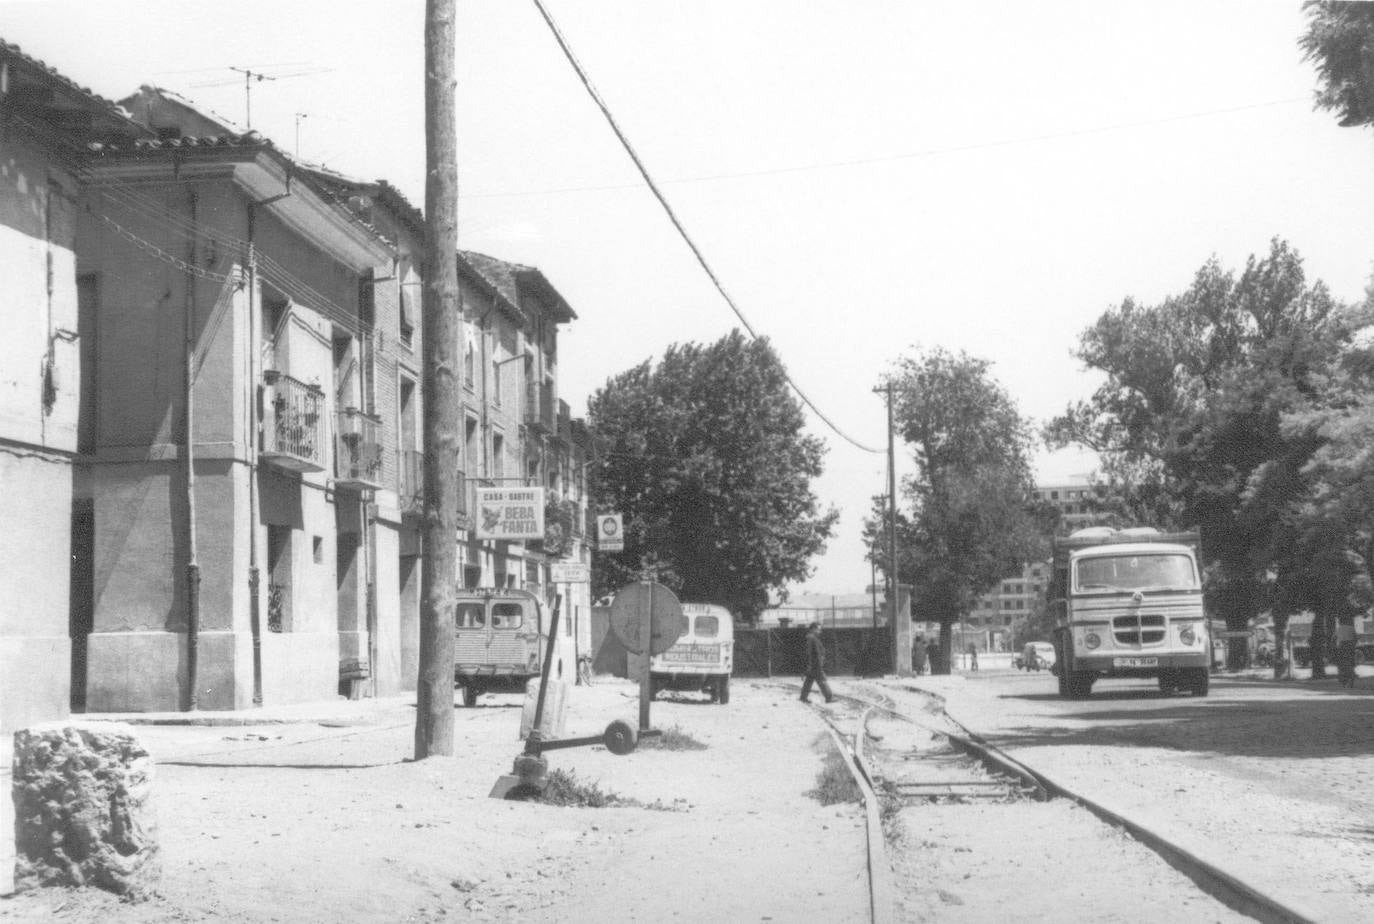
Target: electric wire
900, 156
672, 216
271, 269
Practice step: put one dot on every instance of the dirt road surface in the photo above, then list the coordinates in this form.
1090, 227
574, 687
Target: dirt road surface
303, 822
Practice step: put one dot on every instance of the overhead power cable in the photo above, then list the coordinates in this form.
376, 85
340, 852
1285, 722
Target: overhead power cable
672, 216
785, 169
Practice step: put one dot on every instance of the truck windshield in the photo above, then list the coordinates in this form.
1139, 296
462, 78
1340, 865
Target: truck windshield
706, 627
1135, 572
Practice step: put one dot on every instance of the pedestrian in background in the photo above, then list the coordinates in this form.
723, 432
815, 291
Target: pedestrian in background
1345, 652
972, 657
815, 664
918, 655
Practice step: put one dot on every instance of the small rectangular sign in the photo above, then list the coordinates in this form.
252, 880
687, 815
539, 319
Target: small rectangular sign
510, 513
1135, 662
610, 532
570, 573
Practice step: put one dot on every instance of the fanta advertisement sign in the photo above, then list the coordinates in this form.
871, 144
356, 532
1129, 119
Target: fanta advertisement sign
510, 513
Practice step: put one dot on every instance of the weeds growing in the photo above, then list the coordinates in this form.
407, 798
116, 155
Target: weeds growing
564, 788
834, 783
672, 739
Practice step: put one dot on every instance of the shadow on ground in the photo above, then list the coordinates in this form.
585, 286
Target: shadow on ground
1318, 720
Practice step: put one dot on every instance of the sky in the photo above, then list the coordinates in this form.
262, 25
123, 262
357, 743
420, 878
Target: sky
866, 177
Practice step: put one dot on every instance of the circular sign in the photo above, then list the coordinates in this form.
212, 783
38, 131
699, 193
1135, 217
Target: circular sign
665, 613
610, 527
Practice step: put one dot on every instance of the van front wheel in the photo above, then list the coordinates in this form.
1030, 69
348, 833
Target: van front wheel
723, 690
469, 695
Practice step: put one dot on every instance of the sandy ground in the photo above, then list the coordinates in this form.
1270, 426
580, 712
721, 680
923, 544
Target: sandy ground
328, 820
305, 822
1267, 779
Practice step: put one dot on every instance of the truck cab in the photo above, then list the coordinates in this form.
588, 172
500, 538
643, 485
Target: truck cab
1128, 603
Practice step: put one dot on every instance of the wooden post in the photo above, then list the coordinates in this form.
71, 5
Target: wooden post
442, 394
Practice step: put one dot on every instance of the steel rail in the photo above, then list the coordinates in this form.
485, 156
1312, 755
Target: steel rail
1227, 888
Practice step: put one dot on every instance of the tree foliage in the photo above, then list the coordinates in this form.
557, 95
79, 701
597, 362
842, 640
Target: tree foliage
968, 516
1207, 413
1340, 41
705, 457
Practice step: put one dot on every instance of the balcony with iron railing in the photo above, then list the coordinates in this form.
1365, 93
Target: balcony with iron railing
539, 406
358, 450
293, 434
410, 486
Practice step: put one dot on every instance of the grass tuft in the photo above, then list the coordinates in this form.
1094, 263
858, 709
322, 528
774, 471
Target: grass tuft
672, 739
834, 783
564, 788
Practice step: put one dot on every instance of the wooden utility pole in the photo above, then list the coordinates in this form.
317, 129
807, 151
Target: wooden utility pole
442, 390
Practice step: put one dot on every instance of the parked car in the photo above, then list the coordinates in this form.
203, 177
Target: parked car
1035, 656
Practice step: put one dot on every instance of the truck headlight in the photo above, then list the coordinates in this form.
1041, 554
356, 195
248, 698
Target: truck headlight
1187, 636
1092, 640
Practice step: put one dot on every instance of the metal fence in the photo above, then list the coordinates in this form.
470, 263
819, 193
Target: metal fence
859, 651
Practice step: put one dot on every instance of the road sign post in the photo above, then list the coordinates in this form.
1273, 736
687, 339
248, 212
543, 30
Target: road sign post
647, 618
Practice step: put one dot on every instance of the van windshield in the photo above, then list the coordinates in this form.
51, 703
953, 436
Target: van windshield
1135, 572
470, 616
706, 627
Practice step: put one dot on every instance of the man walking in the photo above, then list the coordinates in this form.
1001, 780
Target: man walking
815, 664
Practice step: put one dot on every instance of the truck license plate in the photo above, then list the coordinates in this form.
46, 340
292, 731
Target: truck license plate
1135, 662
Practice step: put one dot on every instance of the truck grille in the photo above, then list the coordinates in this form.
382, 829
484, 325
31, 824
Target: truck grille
1138, 629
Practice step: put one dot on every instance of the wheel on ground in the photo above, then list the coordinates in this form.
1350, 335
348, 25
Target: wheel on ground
1063, 684
1199, 682
1168, 683
620, 737
469, 695
1080, 684
723, 690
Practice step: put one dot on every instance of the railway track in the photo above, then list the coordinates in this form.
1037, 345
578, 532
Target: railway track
910, 754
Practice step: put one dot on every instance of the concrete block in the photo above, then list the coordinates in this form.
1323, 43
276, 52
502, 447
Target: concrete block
84, 809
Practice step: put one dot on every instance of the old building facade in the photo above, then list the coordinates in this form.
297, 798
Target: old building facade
224, 414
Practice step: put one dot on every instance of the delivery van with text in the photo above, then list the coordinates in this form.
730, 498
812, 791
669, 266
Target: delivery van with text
702, 657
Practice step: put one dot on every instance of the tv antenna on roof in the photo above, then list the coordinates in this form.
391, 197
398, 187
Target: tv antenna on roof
248, 77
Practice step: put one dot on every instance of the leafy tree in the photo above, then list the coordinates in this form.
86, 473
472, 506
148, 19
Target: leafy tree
1340, 41
705, 457
1200, 396
971, 514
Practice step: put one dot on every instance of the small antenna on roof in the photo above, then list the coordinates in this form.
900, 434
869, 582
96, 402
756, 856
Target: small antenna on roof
248, 78
299, 116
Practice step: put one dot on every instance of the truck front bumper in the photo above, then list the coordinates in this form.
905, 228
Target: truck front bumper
1139, 664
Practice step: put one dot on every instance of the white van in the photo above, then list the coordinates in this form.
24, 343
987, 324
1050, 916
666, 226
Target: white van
702, 658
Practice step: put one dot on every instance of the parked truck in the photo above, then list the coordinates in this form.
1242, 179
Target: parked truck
1128, 603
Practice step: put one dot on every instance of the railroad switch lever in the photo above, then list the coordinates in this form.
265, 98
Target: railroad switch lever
529, 775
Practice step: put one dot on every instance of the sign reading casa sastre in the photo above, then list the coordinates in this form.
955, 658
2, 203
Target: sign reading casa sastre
510, 513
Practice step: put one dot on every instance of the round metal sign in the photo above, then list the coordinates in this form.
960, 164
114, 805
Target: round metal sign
666, 620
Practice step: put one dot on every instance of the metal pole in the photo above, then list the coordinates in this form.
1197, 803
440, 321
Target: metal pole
898, 642
254, 353
646, 640
192, 561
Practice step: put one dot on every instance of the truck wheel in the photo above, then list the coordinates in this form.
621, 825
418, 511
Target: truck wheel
1199, 682
1168, 683
723, 690
469, 695
1063, 684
